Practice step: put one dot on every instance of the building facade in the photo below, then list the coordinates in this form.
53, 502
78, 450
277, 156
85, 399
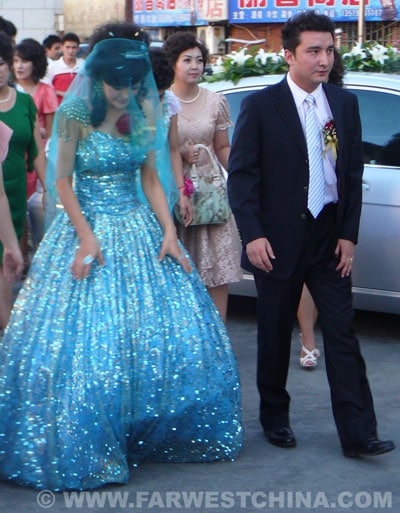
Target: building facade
83, 16
224, 25
35, 18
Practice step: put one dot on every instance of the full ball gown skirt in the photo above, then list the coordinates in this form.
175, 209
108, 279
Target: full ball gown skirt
131, 364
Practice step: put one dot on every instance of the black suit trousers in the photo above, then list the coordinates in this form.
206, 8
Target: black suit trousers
278, 301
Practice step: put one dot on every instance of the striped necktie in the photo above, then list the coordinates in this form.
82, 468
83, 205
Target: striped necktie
316, 186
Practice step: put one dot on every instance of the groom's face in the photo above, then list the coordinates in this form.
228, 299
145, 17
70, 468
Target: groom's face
312, 61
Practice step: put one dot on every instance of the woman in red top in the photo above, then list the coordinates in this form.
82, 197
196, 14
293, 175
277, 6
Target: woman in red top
30, 65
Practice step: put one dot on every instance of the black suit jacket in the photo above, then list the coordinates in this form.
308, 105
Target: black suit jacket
268, 172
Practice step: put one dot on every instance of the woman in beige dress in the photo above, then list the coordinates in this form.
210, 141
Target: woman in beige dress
204, 118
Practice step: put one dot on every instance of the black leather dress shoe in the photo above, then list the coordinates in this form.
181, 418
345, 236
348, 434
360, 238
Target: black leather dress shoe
371, 447
282, 437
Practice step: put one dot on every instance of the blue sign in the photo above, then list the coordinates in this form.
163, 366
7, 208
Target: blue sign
279, 11
168, 13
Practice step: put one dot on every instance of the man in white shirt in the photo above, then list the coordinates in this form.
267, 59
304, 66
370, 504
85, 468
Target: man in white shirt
53, 47
62, 72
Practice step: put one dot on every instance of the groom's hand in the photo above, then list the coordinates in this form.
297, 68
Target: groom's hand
260, 254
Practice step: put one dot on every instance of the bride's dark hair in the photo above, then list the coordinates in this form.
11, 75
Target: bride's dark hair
119, 30
119, 66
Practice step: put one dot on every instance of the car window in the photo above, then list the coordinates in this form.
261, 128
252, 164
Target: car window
235, 99
380, 115
83, 50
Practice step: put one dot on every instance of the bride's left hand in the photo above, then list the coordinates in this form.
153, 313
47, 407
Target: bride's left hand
171, 247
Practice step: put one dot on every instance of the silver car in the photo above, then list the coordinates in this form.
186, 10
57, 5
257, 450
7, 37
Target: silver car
376, 271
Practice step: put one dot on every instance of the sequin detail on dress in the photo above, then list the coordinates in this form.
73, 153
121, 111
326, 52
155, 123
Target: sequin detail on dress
131, 364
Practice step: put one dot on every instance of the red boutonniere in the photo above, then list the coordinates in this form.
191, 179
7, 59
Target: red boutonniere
123, 125
330, 138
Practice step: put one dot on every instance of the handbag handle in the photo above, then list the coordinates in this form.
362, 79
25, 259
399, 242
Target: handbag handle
216, 168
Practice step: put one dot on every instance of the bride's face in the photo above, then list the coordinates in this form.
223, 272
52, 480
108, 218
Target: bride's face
119, 97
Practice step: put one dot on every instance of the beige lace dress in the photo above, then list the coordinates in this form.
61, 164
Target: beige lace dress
216, 248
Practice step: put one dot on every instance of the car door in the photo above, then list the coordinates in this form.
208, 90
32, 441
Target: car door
376, 273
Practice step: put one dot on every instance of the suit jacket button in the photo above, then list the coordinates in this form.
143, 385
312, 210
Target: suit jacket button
305, 189
303, 217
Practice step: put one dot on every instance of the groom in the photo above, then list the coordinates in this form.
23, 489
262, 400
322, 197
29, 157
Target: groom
297, 203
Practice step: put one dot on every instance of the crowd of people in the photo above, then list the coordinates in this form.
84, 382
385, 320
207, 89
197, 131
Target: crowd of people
28, 102
127, 357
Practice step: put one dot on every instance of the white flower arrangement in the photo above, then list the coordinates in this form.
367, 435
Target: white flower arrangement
246, 63
240, 57
370, 56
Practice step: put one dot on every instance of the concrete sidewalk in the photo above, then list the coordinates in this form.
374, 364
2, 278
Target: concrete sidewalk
313, 477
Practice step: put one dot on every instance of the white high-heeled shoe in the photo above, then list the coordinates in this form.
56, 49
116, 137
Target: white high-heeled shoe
310, 359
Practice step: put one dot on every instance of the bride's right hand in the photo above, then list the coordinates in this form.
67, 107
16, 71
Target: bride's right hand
88, 251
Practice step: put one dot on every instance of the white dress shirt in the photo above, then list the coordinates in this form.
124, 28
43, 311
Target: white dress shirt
324, 115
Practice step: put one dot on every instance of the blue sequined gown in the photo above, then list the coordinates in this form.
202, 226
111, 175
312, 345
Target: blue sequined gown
131, 364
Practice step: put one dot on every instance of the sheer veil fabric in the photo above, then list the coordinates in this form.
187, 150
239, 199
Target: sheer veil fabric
119, 63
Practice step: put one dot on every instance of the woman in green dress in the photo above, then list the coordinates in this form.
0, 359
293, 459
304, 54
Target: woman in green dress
18, 111
12, 260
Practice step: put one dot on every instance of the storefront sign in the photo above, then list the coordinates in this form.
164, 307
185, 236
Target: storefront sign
160, 13
267, 11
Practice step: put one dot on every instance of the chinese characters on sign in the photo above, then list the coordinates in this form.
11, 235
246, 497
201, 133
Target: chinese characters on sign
262, 11
213, 10
158, 13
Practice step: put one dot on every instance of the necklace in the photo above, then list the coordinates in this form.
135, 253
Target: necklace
189, 101
8, 97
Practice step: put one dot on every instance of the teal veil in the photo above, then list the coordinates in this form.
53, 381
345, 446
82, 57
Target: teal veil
120, 63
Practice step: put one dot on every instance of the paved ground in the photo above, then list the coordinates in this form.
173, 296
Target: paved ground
313, 477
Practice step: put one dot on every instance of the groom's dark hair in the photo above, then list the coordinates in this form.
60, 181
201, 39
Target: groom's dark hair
308, 21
